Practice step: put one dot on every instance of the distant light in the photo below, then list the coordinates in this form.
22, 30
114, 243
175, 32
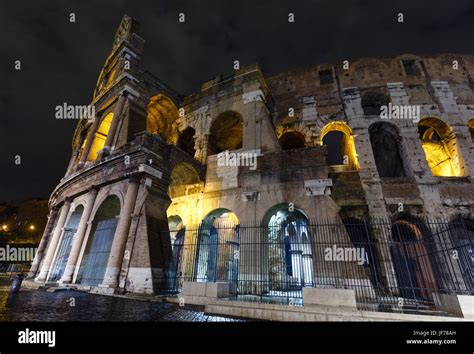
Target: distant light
32, 227
4, 227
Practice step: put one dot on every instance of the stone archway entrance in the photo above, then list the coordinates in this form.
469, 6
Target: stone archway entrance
218, 249
96, 255
412, 263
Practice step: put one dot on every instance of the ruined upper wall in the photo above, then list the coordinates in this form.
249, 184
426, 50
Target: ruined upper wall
291, 89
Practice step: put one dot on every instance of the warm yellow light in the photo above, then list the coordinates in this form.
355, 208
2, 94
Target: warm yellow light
32, 227
162, 115
100, 137
4, 227
348, 143
438, 160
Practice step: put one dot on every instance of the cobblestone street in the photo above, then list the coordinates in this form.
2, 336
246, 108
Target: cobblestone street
56, 306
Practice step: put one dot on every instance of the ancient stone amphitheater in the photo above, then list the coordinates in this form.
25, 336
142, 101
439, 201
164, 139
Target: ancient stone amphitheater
351, 176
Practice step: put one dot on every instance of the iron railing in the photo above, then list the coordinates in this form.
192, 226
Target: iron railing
392, 266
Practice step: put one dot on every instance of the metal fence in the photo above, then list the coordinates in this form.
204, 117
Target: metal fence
392, 266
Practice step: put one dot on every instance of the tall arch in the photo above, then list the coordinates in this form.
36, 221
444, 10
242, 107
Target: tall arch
226, 133
289, 253
218, 248
461, 243
100, 137
339, 141
411, 258
99, 243
361, 237
64, 248
162, 117
177, 236
441, 149
385, 142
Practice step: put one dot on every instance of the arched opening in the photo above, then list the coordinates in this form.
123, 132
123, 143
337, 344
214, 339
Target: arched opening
292, 140
339, 141
372, 102
99, 243
411, 259
218, 248
334, 142
441, 149
226, 133
186, 141
177, 234
385, 143
184, 180
100, 137
65, 245
471, 129
461, 245
361, 238
289, 253
161, 119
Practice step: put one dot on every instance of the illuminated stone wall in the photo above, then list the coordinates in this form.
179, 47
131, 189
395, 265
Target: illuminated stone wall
141, 156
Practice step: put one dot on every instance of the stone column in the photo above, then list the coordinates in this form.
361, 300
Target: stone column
43, 243
205, 153
114, 263
427, 184
464, 149
89, 141
79, 238
115, 121
54, 242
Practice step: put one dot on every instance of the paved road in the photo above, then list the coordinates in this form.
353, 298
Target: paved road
46, 306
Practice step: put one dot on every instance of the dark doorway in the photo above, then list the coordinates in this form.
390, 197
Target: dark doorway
411, 260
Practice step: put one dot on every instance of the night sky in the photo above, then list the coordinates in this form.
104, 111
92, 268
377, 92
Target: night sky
61, 60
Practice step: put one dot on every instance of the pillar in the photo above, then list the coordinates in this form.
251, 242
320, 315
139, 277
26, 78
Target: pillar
114, 263
43, 243
115, 121
54, 242
79, 238
464, 147
89, 141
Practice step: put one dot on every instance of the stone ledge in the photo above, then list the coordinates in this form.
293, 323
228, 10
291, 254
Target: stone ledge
458, 305
273, 312
329, 297
202, 291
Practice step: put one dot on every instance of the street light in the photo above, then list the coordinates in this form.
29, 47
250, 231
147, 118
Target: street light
4, 227
32, 227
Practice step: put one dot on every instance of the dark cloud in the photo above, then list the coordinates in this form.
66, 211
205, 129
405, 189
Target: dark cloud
61, 61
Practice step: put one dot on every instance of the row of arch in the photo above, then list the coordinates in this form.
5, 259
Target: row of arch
290, 259
226, 133
96, 252
289, 253
437, 138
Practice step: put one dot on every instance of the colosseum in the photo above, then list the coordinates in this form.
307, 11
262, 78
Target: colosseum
343, 185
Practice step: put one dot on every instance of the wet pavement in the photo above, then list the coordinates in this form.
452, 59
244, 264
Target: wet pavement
57, 306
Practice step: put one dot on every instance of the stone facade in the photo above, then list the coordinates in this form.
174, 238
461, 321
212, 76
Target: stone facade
159, 155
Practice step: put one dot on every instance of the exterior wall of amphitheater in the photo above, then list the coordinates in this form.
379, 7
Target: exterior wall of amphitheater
141, 167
